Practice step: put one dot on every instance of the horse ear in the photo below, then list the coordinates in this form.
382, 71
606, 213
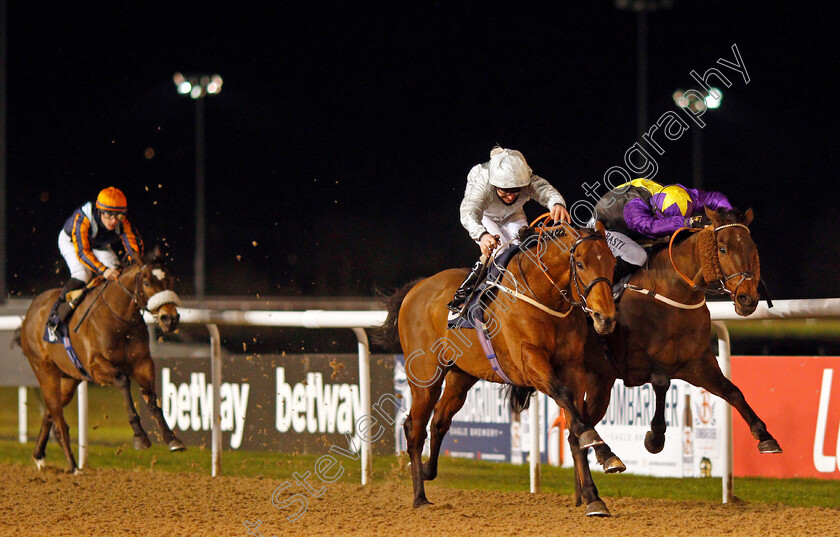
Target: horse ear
599, 227
712, 215
748, 216
155, 255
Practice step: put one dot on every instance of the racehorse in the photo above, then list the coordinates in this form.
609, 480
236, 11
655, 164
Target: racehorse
664, 327
111, 341
537, 346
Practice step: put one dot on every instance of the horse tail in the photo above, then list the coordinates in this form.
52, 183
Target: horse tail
519, 397
387, 335
16, 337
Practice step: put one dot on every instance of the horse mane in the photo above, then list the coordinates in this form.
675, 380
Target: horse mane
528, 232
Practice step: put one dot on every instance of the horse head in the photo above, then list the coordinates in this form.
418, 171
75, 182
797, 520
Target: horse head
729, 256
583, 260
591, 262
154, 292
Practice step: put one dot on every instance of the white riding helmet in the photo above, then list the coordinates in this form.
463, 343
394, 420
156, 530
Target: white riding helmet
508, 169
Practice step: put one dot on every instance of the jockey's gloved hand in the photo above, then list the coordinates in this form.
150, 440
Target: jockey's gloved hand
488, 243
694, 222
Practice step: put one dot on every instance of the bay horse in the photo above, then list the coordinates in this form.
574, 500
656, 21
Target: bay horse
536, 346
664, 328
111, 341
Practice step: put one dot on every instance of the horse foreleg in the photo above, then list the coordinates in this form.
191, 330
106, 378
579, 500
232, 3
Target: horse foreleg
567, 385
598, 391
458, 385
422, 402
655, 438
141, 439
585, 489
144, 374
706, 374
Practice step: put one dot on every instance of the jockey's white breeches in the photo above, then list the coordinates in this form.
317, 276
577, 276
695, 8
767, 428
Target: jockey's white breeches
507, 229
626, 248
78, 269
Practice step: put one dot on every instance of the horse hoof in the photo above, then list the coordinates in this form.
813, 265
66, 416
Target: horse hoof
77, 471
176, 445
597, 508
39, 463
769, 446
589, 439
613, 465
142, 442
429, 474
421, 503
653, 442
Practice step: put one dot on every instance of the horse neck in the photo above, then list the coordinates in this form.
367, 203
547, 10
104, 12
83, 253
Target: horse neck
531, 277
663, 278
120, 301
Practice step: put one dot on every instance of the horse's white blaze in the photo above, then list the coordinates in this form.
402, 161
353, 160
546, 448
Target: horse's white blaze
159, 274
163, 297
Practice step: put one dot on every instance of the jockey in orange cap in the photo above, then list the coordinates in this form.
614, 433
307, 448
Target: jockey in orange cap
85, 243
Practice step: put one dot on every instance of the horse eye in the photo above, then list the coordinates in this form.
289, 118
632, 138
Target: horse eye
579, 265
146, 283
723, 249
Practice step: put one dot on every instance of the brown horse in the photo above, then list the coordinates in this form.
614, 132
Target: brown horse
111, 340
656, 341
537, 347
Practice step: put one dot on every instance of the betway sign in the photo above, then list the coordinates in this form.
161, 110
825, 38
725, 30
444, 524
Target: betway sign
314, 406
189, 406
303, 403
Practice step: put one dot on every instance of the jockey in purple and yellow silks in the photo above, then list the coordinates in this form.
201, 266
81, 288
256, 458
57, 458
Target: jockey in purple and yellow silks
86, 239
645, 209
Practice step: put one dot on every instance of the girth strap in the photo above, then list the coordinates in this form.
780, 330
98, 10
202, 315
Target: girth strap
664, 299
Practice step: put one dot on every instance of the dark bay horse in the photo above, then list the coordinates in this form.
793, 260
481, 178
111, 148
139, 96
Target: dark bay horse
536, 349
112, 343
656, 341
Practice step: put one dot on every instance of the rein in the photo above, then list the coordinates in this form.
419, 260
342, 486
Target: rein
574, 278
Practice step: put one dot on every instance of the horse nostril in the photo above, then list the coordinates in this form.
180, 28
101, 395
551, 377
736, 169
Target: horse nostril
745, 300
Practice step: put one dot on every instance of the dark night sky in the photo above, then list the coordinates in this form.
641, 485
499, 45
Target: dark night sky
342, 137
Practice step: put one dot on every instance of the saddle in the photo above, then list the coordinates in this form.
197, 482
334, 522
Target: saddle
62, 311
474, 307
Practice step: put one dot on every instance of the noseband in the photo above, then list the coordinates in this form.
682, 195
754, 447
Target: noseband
167, 296
745, 275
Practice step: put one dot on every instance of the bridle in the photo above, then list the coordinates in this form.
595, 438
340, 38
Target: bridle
135, 297
575, 281
724, 278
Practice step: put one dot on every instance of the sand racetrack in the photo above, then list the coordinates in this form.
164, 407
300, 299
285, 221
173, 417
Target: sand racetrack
106, 502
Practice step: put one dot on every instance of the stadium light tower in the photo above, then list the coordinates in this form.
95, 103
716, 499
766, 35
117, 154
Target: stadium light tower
710, 100
198, 87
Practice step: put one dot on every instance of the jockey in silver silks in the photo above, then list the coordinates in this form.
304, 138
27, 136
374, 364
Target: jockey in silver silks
491, 211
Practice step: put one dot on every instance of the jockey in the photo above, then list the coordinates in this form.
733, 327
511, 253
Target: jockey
645, 209
492, 207
85, 243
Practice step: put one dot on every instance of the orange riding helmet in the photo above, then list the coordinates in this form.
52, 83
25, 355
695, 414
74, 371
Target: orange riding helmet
111, 199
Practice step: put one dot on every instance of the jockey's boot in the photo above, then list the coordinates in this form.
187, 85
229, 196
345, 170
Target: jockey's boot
65, 308
466, 288
623, 272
